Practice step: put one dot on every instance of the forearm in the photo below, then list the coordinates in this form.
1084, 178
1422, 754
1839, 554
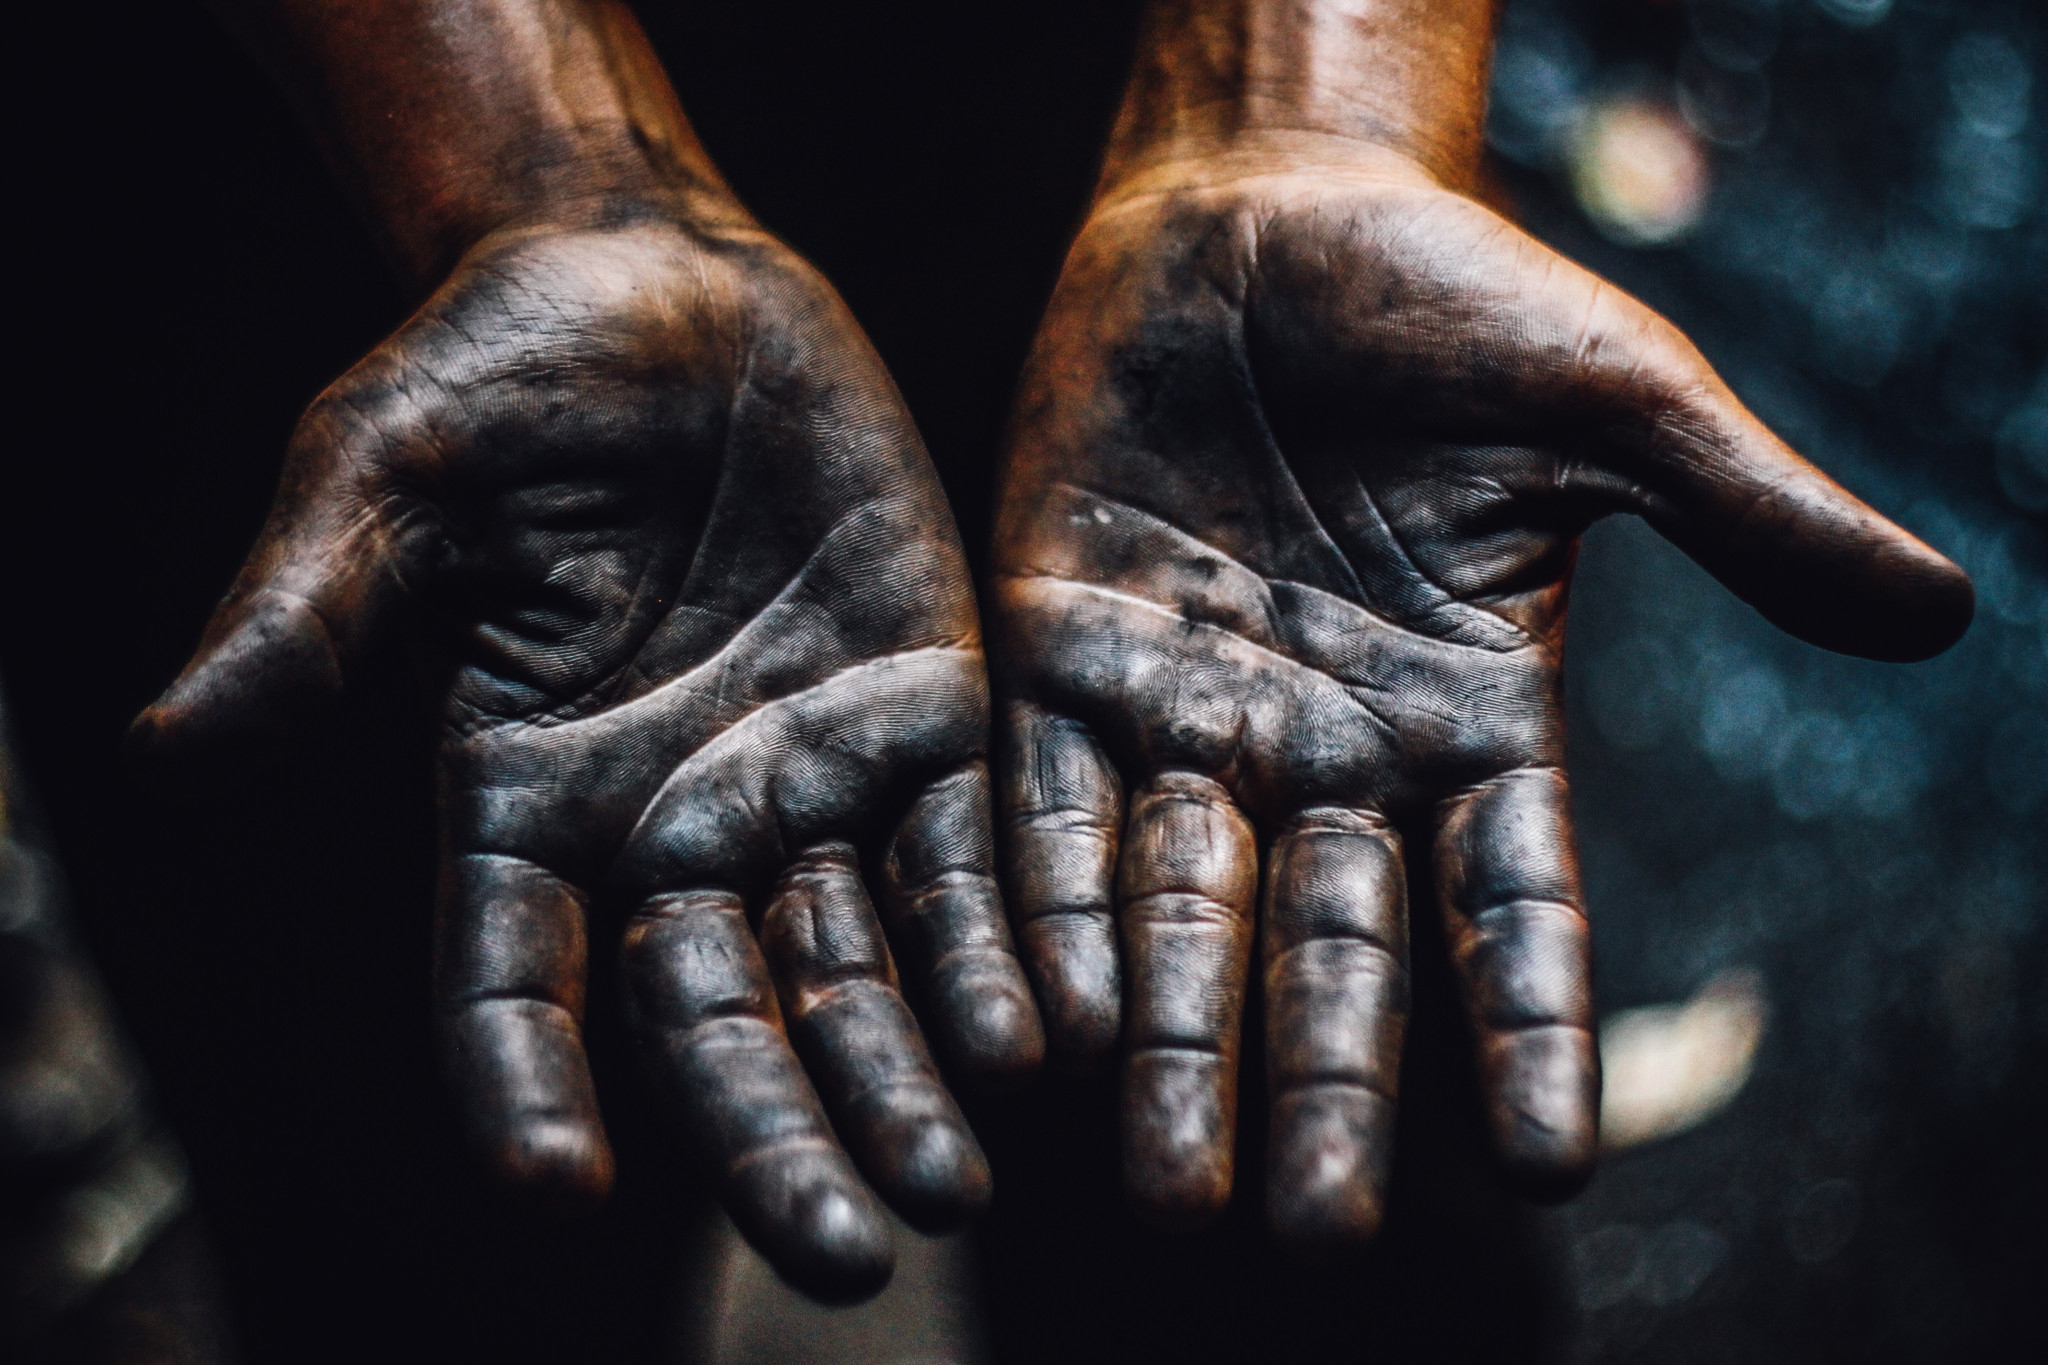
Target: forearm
1407, 75
449, 119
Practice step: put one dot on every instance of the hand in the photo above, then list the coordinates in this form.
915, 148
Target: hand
706, 658
1293, 490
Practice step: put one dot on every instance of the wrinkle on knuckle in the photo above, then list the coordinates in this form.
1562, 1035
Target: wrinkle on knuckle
1178, 906
1528, 963
804, 1146
1337, 1080
991, 957
1315, 963
1069, 822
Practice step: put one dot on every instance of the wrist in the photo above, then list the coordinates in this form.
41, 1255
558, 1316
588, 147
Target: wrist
1236, 78
1196, 163
451, 120
593, 183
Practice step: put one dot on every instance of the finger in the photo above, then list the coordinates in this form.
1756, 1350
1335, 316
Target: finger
1184, 884
699, 999
863, 1050
1508, 881
1062, 807
1700, 467
938, 875
1335, 945
510, 974
315, 592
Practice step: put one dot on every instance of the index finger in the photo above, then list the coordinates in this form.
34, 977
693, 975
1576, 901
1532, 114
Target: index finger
699, 997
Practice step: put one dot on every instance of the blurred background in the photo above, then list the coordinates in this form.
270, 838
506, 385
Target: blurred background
1816, 883
1842, 201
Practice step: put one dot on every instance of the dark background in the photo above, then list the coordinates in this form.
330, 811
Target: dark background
1871, 273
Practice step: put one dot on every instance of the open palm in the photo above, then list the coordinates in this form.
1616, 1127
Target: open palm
708, 669
1292, 495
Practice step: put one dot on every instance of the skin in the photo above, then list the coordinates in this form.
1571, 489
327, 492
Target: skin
648, 511
1283, 543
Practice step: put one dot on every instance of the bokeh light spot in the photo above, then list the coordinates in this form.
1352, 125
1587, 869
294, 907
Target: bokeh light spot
1669, 1068
1639, 172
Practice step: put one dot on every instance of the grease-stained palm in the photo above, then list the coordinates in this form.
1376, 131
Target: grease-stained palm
1284, 537
708, 669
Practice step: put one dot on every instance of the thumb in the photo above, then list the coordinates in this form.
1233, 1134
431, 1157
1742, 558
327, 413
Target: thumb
1805, 552
310, 601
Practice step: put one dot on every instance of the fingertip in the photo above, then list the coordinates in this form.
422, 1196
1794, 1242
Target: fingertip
849, 1253
256, 682
163, 734
559, 1164
1079, 991
1544, 1111
1933, 605
523, 1088
1327, 1170
992, 1035
941, 1178
832, 1240
1081, 1037
1548, 1158
1892, 599
1549, 1176
150, 733
1178, 1135
1822, 565
1177, 1202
